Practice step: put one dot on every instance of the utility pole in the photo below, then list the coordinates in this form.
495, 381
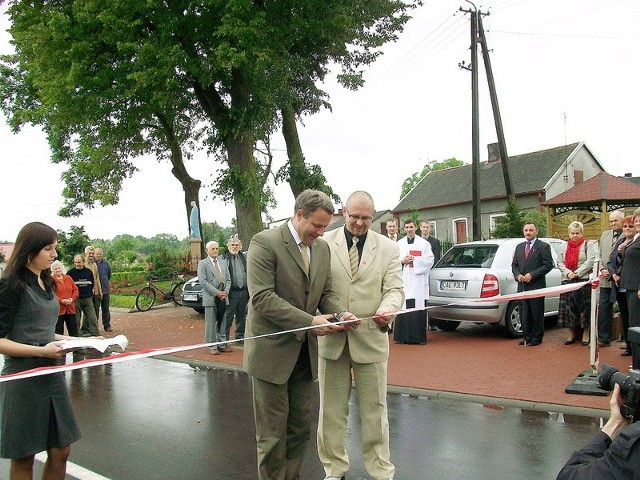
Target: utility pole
477, 35
497, 118
476, 230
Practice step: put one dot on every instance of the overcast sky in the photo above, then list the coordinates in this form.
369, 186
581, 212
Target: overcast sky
565, 71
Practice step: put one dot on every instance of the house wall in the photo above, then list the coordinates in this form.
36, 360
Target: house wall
444, 217
564, 179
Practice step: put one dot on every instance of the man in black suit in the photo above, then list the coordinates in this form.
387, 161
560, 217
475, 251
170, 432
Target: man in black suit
436, 248
532, 260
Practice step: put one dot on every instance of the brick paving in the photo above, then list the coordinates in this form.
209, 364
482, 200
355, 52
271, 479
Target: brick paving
473, 360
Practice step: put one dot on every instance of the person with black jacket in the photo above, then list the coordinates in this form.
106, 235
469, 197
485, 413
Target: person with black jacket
614, 453
239, 293
532, 260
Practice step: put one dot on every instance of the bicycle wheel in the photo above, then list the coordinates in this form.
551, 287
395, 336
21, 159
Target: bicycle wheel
145, 299
176, 293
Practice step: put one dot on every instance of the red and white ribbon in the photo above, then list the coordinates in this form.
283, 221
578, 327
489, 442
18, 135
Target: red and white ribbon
152, 352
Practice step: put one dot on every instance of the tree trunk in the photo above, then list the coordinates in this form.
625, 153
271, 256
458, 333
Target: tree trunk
247, 191
294, 150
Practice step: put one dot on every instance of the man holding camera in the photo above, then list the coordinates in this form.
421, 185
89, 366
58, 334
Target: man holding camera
612, 454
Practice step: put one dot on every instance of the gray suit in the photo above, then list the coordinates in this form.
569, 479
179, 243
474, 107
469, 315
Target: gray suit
214, 307
605, 306
282, 297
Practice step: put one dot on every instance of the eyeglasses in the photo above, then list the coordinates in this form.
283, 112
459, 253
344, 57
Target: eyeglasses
364, 219
627, 226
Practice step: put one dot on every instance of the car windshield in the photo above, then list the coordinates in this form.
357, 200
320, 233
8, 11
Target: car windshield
478, 256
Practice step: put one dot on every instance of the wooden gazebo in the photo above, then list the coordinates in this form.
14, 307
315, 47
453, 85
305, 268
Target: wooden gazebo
590, 202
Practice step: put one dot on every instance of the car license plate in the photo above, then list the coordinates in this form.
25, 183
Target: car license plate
190, 298
453, 285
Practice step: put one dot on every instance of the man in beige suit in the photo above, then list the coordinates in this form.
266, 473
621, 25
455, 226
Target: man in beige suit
289, 280
367, 276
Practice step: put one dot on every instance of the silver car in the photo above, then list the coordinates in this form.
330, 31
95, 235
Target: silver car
483, 270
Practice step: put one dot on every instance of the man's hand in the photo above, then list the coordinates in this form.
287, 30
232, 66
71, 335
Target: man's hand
382, 320
349, 316
327, 327
324, 325
616, 421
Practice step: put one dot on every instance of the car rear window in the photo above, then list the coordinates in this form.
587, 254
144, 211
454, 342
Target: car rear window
479, 256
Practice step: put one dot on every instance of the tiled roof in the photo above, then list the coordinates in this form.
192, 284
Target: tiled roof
529, 173
601, 187
7, 250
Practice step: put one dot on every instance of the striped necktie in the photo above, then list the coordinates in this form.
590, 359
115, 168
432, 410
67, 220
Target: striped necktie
354, 258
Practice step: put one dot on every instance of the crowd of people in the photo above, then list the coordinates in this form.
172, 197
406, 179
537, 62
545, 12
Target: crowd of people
288, 281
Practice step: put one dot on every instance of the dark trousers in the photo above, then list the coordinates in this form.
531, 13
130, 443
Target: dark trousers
605, 315
624, 316
104, 308
633, 307
532, 318
68, 319
238, 300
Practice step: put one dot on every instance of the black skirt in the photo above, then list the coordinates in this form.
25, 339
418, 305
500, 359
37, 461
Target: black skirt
411, 327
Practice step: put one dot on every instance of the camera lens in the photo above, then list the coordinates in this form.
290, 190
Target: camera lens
610, 376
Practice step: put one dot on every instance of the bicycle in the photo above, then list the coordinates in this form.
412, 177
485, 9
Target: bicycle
146, 297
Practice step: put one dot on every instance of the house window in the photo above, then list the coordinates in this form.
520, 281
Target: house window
460, 230
434, 232
578, 176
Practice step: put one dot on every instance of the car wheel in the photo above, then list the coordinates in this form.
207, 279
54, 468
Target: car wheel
512, 320
199, 309
445, 325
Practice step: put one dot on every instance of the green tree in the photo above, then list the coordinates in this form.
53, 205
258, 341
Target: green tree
110, 80
432, 166
71, 244
511, 225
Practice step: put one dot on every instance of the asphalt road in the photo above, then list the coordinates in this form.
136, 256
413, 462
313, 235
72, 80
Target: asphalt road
156, 419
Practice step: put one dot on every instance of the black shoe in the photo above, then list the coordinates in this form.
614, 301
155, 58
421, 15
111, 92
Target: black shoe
584, 344
108, 329
604, 344
625, 354
569, 342
533, 343
522, 342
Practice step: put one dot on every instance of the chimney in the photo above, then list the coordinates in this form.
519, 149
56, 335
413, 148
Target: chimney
494, 152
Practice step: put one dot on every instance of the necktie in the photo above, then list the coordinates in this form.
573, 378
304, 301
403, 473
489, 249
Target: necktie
354, 259
218, 272
527, 249
305, 256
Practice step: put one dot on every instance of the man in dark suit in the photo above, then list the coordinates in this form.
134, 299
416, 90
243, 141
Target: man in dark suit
236, 260
289, 279
605, 306
213, 275
436, 247
532, 260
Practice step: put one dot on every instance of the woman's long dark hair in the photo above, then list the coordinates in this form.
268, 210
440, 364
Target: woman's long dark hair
32, 238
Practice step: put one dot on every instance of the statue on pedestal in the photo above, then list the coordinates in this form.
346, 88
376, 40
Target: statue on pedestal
194, 224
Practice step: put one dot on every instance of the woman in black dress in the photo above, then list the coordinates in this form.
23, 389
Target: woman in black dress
35, 413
